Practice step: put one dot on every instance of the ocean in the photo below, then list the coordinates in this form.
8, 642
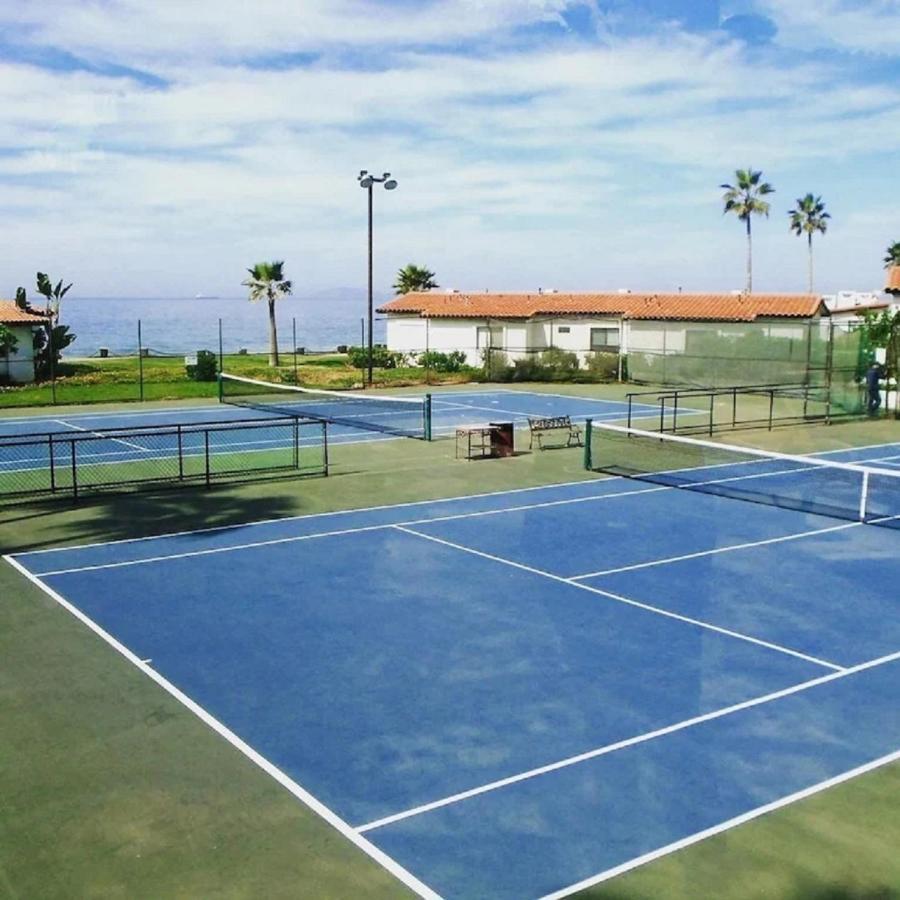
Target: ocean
176, 326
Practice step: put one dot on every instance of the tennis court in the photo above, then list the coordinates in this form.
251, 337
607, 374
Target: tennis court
520, 693
374, 423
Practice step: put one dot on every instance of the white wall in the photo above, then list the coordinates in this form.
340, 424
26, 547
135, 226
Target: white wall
18, 366
515, 337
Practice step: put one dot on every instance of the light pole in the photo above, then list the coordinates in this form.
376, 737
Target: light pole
367, 181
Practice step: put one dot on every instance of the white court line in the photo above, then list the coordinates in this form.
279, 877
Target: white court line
722, 826
100, 436
379, 507
715, 550
425, 521
269, 768
623, 403
343, 531
621, 745
700, 623
587, 482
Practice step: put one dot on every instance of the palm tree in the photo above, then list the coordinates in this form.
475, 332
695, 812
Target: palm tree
808, 218
893, 255
744, 200
414, 278
267, 282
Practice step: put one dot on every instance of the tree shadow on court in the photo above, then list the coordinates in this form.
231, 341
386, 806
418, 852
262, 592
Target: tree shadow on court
100, 516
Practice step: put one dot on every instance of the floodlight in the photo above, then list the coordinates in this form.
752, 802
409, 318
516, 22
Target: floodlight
390, 184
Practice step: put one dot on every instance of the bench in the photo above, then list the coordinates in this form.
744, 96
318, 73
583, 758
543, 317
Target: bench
539, 428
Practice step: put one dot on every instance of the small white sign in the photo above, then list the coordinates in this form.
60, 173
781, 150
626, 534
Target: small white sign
191, 360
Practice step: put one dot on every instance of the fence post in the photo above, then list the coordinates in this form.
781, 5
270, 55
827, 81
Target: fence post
140, 362
221, 351
325, 446
675, 413
180, 454
206, 455
588, 455
294, 336
52, 463
712, 412
771, 406
74, 470
296, 443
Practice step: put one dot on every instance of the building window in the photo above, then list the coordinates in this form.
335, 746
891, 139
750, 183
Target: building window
605, 339
563, 329
489, 336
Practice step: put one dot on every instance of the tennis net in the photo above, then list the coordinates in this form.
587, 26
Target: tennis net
404, 416
852, 491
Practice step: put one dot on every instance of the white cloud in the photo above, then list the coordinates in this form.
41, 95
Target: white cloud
513, 162
871, 26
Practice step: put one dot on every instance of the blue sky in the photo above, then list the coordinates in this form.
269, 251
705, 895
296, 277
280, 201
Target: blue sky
158, 148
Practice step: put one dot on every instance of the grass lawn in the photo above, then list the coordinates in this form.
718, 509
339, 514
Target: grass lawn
119, 379
110, 788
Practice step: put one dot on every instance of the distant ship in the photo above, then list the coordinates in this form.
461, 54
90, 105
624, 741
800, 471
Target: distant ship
206, 296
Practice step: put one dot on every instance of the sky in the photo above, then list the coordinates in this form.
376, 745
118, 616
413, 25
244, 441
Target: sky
160, 148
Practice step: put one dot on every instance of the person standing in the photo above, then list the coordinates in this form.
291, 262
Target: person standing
873, 389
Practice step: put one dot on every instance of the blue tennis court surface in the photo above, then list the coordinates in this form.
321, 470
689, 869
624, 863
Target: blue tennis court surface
449, 410
513, 695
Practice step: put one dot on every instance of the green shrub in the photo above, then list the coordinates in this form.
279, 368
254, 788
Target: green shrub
206, 368
561, 364
382, 358
443, 362
8, 341
496, 365
603, 366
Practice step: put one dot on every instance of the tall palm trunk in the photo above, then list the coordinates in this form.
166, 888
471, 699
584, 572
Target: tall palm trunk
809, 240
273, 334
749, 259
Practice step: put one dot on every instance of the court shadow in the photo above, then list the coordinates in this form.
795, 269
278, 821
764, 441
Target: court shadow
123, 515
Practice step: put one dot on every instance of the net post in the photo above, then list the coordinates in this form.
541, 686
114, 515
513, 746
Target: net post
588, 432
180, 453
426, 413
864, 497
325, 448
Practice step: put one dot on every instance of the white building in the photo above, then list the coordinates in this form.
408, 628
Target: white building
17, 365
584, 323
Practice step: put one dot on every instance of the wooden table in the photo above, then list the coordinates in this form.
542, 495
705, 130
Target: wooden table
474, 441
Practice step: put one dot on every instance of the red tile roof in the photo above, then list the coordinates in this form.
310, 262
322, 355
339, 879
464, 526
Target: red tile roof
710, 307
893, 280
10, 314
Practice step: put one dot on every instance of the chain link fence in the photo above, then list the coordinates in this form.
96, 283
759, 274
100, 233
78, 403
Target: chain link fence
67, 463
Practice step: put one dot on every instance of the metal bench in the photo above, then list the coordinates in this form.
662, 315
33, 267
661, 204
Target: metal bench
539, 427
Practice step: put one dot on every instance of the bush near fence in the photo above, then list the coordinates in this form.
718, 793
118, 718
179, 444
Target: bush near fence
550, 365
